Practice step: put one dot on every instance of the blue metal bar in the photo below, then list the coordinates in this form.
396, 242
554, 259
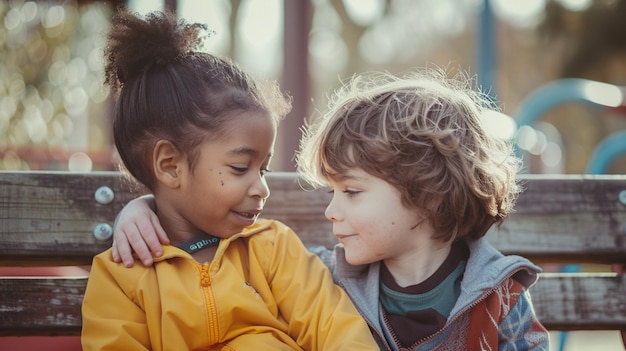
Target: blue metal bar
567, 90
606, 151
485, 54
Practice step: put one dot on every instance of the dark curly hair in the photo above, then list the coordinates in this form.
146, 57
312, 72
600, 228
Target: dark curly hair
167, 89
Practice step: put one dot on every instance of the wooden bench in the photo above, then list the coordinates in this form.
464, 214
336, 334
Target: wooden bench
49, 218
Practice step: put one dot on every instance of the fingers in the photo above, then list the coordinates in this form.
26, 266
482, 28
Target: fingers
162, 236
116, 255
139, 239
137, 230
148, 243
122, 248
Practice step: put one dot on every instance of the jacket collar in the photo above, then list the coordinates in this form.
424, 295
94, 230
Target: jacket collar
170, 251
485, 268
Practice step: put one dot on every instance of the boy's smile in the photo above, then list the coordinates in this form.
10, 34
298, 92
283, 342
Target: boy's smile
373, 224
369, 218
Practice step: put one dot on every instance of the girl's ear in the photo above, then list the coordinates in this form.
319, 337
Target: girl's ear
168, 164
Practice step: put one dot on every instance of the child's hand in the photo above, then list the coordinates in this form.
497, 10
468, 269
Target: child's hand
138, 229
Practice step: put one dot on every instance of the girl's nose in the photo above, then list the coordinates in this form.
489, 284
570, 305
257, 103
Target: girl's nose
260, 188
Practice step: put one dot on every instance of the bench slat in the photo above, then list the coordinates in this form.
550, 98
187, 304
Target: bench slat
49, 217
41, 306
567, 219
564, 219
575, 301
580, 301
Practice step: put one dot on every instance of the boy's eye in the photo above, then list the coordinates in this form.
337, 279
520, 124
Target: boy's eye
350, 192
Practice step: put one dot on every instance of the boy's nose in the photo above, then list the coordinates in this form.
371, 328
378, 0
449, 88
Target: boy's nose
331, 212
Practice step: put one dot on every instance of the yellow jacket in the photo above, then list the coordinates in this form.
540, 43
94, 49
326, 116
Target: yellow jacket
262, 291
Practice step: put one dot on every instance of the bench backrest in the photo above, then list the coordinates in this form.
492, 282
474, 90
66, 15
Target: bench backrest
49, 219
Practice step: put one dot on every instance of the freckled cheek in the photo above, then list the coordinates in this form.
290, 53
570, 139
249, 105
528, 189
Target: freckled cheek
221, 180
382, 227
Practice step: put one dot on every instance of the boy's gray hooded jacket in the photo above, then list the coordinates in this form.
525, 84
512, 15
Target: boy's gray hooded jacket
493, 312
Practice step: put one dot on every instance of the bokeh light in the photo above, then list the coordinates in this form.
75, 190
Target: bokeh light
52, 99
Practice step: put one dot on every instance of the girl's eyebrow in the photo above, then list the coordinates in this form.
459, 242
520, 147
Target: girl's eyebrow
243, 150
247, 150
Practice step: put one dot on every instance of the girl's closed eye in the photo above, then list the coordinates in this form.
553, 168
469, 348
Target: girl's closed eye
240, 170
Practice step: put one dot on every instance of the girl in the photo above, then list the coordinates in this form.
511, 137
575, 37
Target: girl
199, 134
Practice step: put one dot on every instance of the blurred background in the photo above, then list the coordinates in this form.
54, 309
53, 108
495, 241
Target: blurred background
556, 69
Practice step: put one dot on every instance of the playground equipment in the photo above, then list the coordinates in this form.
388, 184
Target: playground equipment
572, 90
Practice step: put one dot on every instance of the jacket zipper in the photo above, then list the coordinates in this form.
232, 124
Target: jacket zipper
455, 317
396, 340
205, 283
448, 323
468, 307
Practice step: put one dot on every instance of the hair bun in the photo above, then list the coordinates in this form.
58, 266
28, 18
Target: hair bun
135, 44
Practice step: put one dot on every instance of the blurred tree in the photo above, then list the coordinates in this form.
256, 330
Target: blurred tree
594, 38
235, 5
352, 33
42, 100
52, 102
592, 46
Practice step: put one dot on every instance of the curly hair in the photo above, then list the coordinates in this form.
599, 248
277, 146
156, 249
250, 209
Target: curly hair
422, 133
168, 89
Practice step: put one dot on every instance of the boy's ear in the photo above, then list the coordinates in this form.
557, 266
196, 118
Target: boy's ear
168, 163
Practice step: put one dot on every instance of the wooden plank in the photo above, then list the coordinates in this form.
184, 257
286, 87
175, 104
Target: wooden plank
578, 301
49, 217
41, 306
43, 215
558, 219
567, 219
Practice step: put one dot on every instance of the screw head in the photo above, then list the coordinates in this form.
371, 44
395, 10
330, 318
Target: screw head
104, 195
622, 197
103, 231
